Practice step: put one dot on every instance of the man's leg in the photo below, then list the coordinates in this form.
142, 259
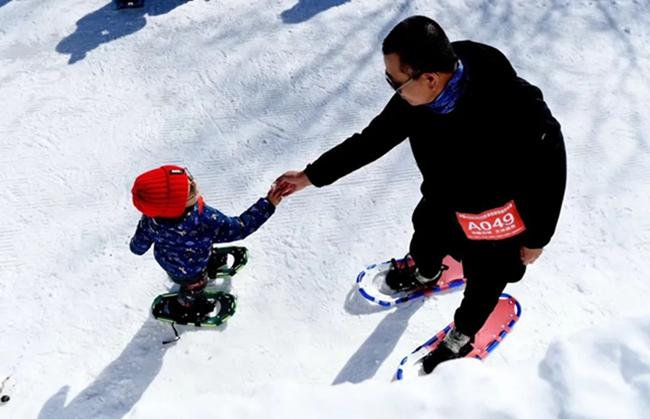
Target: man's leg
423, 264
433, 239
488, 268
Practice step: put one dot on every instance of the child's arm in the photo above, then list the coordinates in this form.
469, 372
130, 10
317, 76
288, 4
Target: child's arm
140, 242
228, 229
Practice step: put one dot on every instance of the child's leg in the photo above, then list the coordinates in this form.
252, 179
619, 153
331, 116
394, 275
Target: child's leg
191, 290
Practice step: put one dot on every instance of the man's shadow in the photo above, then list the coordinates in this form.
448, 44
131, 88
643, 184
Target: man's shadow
3, 2
108, 24
365, 362
121, 384
306, 9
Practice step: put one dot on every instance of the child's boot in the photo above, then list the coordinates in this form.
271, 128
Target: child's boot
195, 312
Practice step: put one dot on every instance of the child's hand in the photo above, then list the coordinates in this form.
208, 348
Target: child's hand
275, 194
293, 181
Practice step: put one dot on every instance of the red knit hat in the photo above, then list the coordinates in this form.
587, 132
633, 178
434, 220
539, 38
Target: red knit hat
161, 192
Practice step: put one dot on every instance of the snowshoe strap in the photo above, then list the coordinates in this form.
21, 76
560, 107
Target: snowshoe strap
175, 339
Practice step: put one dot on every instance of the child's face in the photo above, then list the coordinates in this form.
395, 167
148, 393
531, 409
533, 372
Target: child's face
193, 193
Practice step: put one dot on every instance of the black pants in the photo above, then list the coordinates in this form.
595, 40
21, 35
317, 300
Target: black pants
488, 265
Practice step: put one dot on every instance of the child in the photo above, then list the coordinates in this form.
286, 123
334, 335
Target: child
183, 229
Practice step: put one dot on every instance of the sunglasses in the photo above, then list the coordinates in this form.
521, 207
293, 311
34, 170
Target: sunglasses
398, 87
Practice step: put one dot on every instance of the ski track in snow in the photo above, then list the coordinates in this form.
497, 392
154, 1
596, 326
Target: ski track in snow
240, 92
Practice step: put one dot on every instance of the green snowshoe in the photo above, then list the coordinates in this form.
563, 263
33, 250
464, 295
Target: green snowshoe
211, 310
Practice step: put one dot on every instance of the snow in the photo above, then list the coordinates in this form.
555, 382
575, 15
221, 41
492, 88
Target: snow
241, 91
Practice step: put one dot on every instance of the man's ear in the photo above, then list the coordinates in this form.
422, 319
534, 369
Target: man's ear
431, 78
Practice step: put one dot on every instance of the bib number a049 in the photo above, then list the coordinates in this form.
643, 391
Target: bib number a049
494, 224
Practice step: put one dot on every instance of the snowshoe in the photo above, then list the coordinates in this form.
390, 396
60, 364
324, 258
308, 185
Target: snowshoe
496, 328
211, 309
226, 261
372, 282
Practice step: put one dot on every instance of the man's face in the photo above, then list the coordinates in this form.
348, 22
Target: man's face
416, 89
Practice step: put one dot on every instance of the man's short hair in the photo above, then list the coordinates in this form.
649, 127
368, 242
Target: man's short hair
421, 45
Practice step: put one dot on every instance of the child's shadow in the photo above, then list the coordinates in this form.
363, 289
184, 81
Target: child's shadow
120, 385
3, 2
108, 24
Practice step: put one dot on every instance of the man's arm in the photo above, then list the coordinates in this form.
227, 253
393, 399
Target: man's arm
387, 130
541, 199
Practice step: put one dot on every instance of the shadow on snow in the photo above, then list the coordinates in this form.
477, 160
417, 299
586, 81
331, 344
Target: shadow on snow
108, 24
306, 9
122, 383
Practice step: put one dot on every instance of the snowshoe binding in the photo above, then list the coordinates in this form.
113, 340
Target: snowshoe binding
455, 345
403, 276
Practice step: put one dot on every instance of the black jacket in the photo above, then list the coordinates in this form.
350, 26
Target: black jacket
500, 143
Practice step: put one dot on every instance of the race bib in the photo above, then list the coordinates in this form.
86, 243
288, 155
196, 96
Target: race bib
495, 224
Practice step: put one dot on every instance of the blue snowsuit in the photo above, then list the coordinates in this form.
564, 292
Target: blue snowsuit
182, 248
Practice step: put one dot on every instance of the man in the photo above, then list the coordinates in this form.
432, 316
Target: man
492, 159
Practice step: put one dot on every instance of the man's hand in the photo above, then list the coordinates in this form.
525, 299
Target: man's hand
292, 181
529, 256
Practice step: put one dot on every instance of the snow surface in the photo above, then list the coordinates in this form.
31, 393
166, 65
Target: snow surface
242, 90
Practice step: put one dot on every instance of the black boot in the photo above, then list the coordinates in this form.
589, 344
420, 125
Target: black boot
403, 275
454, 345
218, 265
217, 262
188, 313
